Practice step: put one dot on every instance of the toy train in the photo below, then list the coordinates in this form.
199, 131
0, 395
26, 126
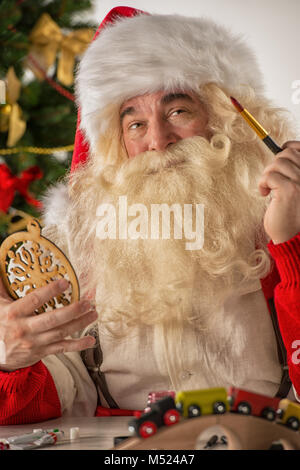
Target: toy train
166, 408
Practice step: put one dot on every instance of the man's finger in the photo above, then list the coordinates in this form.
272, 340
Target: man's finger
59, 334
272, 181
285, 167
57, 317
25, 306
289, 154
70, 345
294, 144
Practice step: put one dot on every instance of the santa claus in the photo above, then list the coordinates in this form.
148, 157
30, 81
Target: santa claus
181, 225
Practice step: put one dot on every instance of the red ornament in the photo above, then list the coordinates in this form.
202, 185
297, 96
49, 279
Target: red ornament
10, 183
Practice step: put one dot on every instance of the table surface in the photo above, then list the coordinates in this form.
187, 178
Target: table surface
95, 433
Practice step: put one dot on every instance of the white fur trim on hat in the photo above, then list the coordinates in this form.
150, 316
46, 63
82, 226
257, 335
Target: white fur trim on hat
148, 53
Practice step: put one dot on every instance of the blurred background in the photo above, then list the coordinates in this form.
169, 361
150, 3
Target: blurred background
40, 44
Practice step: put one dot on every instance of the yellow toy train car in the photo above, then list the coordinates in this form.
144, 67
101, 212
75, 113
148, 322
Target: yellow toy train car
193, 403
288, 413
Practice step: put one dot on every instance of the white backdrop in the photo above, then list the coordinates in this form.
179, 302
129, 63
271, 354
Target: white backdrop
271, 27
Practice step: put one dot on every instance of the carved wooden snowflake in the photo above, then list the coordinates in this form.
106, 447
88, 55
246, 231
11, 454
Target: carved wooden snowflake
29, 261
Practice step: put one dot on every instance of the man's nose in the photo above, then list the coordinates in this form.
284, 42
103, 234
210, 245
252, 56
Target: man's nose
161, 135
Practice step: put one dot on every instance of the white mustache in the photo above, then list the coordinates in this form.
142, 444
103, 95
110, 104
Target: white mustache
165, 166
195, 152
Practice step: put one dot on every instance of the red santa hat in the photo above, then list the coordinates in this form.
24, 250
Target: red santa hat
134, 53
81, 146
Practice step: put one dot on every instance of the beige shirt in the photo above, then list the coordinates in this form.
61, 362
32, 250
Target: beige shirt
240, 350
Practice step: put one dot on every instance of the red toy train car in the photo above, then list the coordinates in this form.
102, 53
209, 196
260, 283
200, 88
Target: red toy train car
245, 402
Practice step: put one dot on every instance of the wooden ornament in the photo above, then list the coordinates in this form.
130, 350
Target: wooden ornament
17, 220
29, 261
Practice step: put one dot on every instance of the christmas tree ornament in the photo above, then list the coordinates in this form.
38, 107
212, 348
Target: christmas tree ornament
16, 126
10, 183
13, 86
72, 45
29, 261
17, 220
47, 40
5, 111
51, 82
10, 113
37, 150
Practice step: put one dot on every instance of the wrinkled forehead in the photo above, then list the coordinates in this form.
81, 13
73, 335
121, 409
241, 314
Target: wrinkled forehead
161, 97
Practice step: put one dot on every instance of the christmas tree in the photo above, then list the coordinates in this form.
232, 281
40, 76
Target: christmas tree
40, 44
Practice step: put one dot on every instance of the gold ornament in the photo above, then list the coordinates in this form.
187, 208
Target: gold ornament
5, 111
47, 40
72, 45
16, 126
10, 113
13, 86
37, 150
29, 261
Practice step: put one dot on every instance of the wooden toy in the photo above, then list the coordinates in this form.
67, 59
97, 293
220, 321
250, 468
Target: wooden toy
289, 413
217, 406
28, 261
162, 412
246, 402
155, 396
194, 403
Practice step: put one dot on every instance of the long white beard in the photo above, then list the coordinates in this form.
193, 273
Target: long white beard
151, 282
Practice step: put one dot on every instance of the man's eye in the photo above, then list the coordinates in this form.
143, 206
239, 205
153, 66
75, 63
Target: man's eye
134, 125
176, 112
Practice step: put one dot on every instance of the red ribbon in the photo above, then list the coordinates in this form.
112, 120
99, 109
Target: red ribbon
9, 184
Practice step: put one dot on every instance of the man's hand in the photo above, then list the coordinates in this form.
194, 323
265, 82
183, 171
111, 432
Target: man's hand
282, 218
29, 337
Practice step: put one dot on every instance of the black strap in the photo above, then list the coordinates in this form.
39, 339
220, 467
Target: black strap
93, 358
285, 384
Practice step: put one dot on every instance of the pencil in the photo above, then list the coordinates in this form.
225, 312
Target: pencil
258, 128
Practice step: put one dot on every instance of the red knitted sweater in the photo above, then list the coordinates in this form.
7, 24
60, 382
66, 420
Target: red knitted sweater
29, 395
